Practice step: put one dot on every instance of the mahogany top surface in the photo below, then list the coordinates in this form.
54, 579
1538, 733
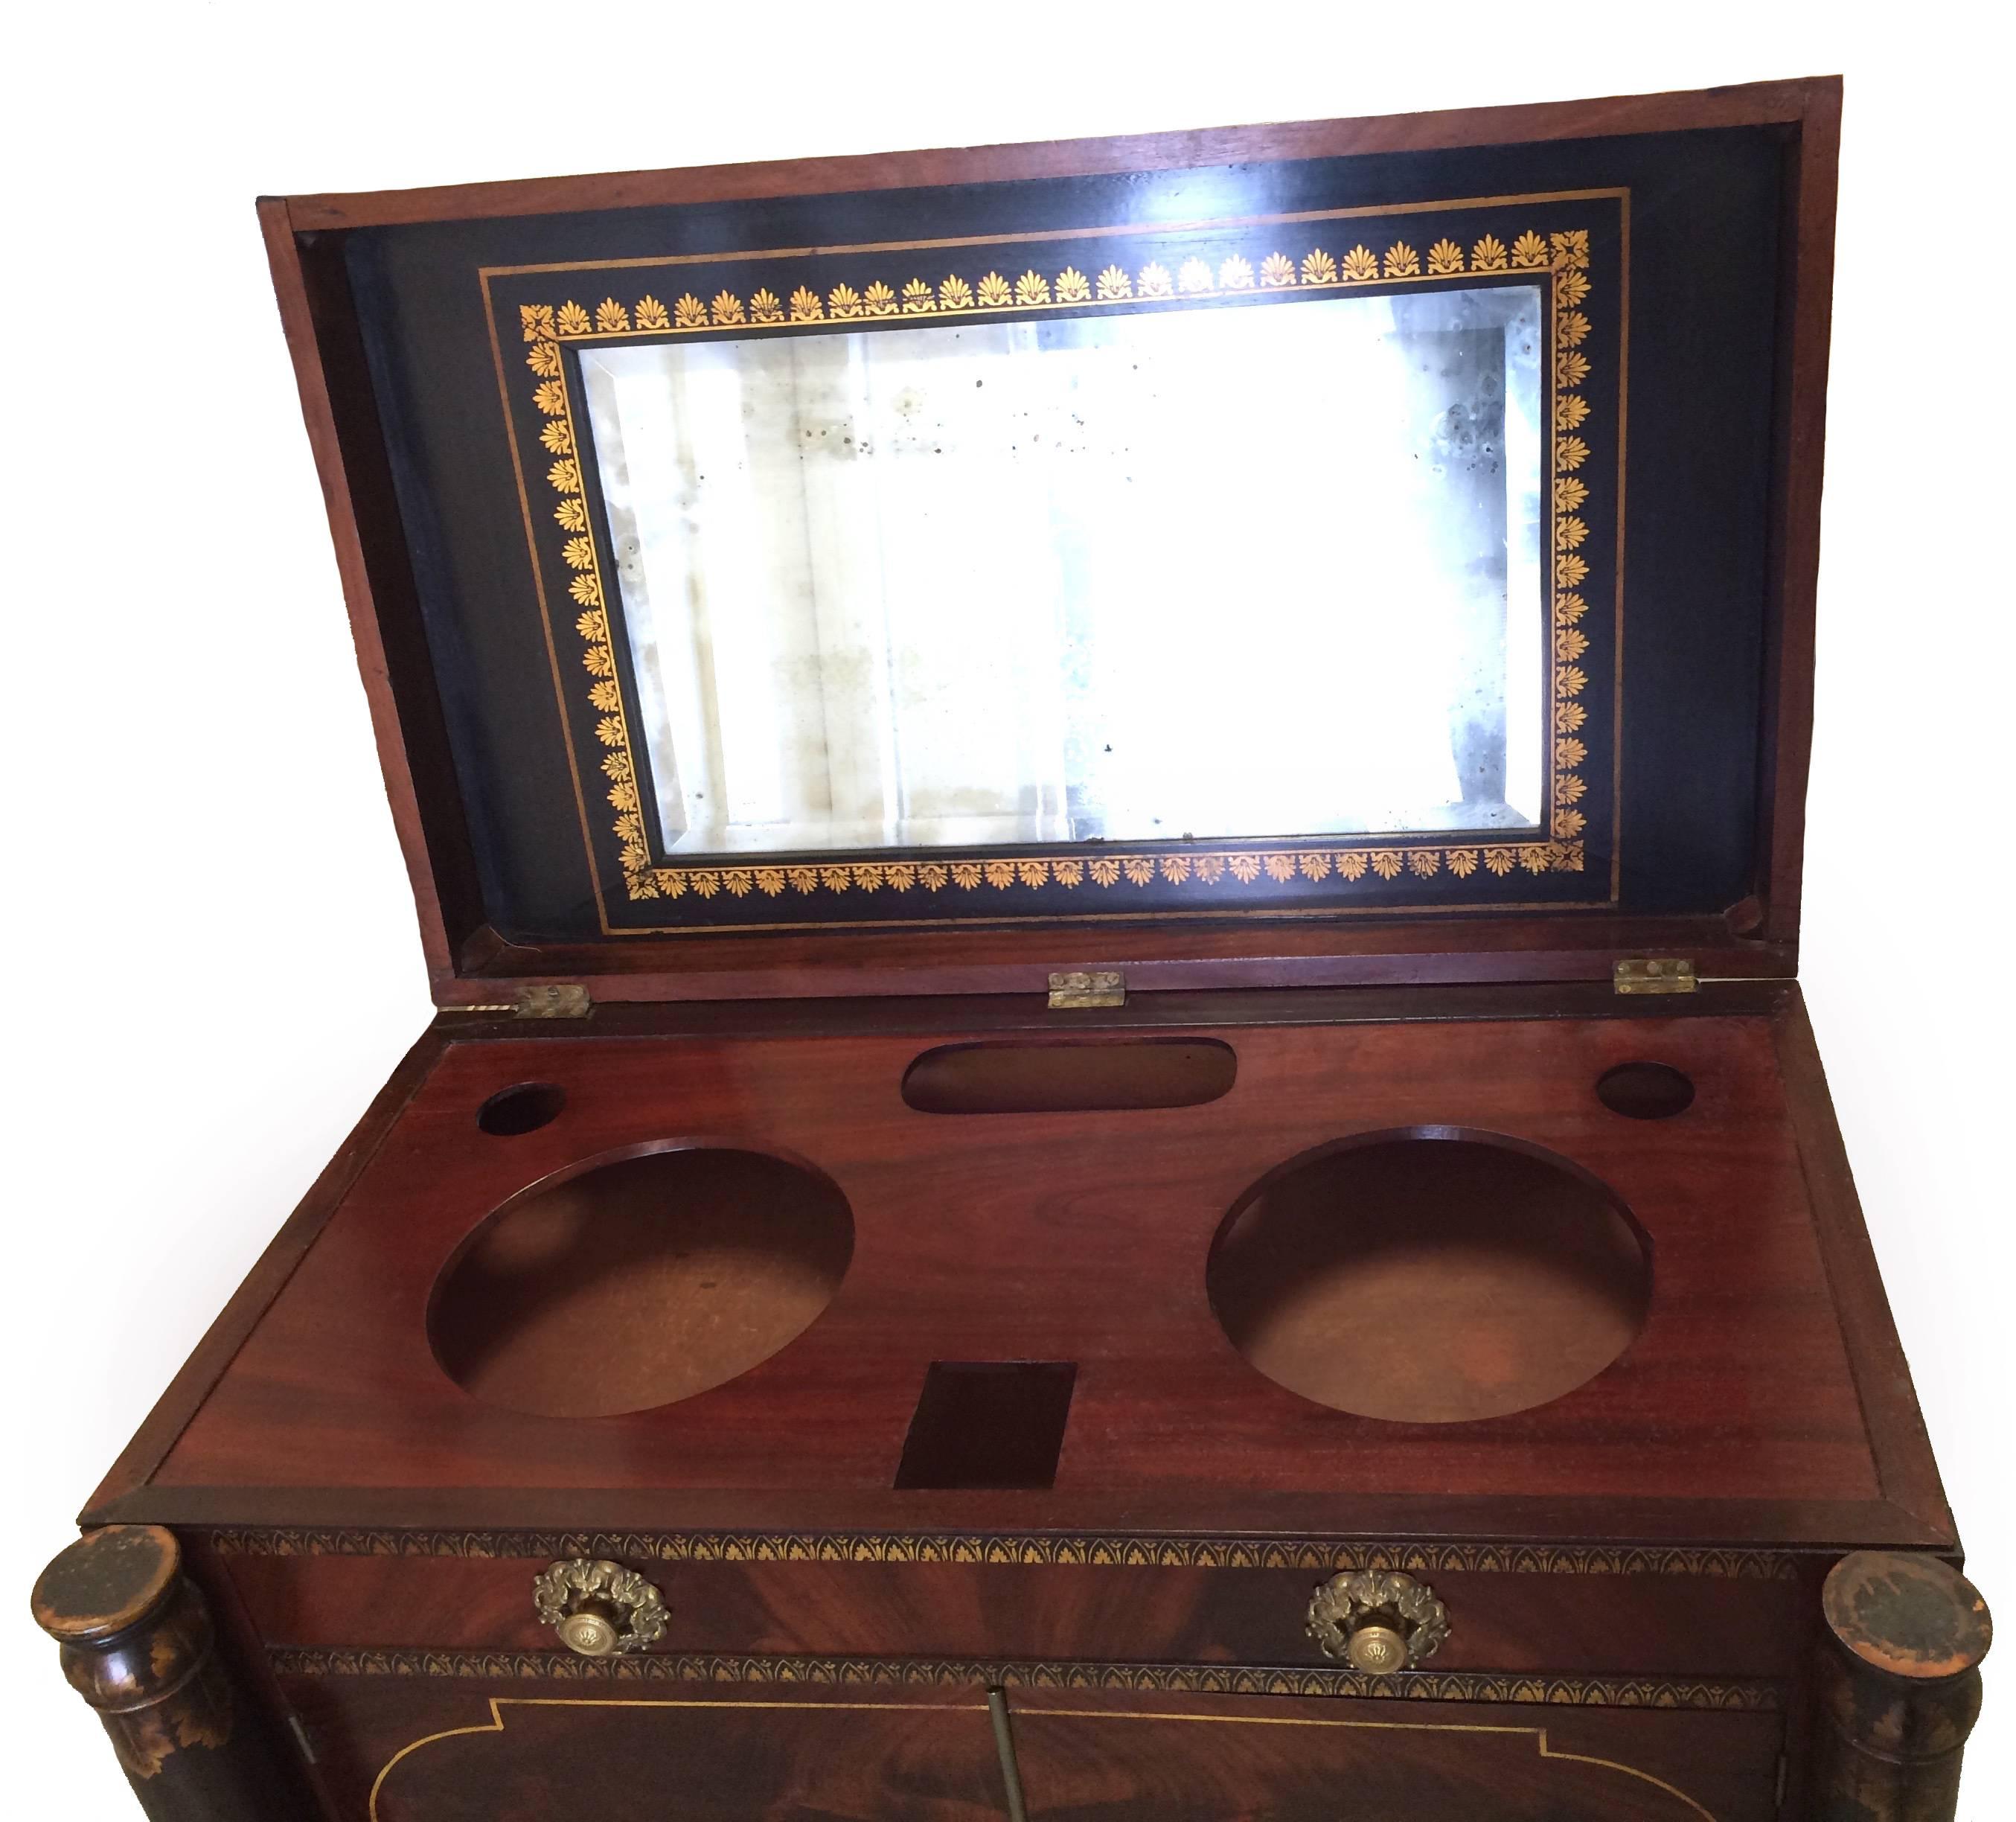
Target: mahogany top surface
1078, 1236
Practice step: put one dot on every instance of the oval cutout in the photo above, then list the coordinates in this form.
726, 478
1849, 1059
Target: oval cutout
1052, 1076
639, 1282
1429, 1277
523, 1107
1645, 1091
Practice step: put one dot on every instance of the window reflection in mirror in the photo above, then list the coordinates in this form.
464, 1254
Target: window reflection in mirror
1264, 570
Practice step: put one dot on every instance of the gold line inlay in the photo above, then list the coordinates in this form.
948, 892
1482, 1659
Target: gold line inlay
499, 1703
1021, 1714
1297, 218
1538, 1735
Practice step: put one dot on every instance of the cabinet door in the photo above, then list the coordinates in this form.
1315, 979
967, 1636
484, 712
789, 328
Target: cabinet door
1099, 1758
440, 1750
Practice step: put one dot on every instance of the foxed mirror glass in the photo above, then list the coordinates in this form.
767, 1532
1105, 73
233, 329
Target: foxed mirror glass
1271, 570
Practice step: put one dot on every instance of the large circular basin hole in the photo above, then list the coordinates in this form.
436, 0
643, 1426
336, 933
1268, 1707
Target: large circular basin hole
640, 1282
1430, 1277
1645, 1091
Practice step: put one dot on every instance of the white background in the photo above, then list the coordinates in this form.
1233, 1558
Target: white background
212, 958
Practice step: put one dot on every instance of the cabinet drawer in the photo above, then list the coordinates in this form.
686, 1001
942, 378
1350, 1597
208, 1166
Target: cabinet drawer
1664, 1625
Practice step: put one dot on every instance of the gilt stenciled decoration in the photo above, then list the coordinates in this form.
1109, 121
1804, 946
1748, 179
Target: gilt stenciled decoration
1560, 259
492, 1666
1116, 1550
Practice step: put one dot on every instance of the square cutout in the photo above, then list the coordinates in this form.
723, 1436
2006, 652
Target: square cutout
989, 1424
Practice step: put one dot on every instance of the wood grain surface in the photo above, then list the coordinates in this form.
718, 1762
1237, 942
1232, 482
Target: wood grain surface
1078, 1236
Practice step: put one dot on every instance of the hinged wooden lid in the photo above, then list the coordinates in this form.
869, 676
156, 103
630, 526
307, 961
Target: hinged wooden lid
1641, 289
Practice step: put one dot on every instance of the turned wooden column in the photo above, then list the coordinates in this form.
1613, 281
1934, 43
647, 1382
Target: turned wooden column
1898, 1688
138, 1645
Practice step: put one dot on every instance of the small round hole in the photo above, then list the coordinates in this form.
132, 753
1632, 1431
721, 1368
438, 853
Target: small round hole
524, 1108
1645, 1091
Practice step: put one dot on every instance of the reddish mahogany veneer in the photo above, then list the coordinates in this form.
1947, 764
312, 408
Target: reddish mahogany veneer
965, 1249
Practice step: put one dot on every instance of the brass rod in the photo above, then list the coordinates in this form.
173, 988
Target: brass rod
1004, 1743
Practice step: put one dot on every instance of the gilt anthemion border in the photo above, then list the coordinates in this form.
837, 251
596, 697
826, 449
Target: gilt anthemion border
1326, 1555
1561, 259
1702, 1694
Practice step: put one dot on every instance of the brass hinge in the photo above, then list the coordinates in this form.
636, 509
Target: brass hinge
1661, 974
563, 1001
1101, 987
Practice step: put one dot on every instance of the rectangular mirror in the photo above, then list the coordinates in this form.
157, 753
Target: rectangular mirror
1265, 570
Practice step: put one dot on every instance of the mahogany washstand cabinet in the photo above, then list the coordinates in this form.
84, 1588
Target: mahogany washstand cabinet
1108, 838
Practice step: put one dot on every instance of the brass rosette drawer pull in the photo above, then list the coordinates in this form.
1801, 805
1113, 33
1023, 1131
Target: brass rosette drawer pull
1378, 1620
599, 1608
